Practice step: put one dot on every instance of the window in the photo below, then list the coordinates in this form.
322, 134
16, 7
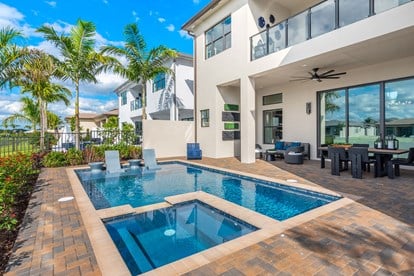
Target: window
355, 114
272, 126
136, 104
123, 98
273, 99
205, 118
159, 82
218, 38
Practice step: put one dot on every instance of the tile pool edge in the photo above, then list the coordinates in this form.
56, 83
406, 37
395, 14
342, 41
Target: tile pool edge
107, 256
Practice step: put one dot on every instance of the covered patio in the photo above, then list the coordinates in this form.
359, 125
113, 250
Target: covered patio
372, 234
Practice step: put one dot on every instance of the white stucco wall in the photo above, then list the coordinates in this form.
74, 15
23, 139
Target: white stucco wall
233, 68
168, 138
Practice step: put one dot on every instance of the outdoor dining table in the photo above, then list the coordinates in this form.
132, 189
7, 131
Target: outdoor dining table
382, 156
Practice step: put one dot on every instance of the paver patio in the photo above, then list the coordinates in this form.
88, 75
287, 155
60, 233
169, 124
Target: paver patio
373, 235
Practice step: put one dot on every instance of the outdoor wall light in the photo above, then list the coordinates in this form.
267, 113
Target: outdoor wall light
308, 108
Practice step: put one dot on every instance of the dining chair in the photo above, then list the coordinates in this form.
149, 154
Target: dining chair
393, 166
359, 160
339, 159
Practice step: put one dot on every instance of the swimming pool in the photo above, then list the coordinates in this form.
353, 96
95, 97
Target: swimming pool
152, 239
269, 198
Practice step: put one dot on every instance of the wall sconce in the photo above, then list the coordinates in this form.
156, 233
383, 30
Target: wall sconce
308, 108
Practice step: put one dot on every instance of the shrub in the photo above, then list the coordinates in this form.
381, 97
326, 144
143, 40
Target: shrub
55, 159
17, 172
74, 157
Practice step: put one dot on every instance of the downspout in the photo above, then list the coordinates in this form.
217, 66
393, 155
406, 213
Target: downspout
194, 84
175, 90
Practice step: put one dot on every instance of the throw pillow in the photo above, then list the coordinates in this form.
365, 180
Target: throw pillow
295, 144
280, 145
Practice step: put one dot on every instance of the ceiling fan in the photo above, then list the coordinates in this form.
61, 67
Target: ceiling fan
314, 75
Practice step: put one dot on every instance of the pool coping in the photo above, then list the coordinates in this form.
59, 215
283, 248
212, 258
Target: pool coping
110, 261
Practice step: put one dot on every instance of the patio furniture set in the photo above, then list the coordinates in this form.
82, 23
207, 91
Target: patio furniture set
359, 157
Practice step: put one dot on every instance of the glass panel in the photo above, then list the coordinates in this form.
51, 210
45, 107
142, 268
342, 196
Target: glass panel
364, 114
227, 25
272, 126
227, 41
399, 111
383, 5
273, 99
209, 50
297, 28
323, 18
217, 31
352, 10
259, 45
277, 37
332, 117
208, 37
218, 46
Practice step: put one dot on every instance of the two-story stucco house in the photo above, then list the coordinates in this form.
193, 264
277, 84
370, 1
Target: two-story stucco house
269, 70
166, 99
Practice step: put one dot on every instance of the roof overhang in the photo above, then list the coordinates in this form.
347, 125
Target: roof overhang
206, 11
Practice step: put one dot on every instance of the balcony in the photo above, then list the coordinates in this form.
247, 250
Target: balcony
322, 18
136, 104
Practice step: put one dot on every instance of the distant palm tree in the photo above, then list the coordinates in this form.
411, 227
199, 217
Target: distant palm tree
29, 113
35, 77
143, 64
80, 62
9, 54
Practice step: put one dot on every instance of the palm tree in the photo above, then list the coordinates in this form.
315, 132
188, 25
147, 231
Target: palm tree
35, 77
29, 113
143, 64
9, 54
80, 62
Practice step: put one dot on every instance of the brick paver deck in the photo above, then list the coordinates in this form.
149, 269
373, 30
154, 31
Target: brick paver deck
374, 235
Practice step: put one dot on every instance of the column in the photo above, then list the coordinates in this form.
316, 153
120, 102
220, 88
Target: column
247, 120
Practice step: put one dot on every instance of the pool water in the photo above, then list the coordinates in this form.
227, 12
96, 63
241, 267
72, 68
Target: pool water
268, 198
155, 238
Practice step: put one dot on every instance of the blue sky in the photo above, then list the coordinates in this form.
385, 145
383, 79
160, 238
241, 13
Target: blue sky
159, 21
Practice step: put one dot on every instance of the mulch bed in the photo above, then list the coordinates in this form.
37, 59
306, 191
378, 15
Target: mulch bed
7, 238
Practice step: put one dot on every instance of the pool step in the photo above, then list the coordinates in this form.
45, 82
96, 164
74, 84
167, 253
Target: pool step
143, 263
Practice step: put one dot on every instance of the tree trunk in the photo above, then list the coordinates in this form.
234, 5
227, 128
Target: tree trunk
43, 124
77, 123
144, 100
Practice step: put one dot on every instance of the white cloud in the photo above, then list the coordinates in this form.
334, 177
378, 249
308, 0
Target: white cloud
161, 20
170, 28
135, 15
51, 3
184, 34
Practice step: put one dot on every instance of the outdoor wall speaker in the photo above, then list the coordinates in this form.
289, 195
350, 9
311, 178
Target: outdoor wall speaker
308, 108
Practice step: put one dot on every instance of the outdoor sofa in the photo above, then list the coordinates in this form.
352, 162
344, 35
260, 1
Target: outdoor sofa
282, 146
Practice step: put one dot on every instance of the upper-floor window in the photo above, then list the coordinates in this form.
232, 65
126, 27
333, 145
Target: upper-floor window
159, 82
218, 38
123, 98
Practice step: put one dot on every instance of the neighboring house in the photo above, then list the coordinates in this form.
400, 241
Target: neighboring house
93, 121
255, 81
166, 99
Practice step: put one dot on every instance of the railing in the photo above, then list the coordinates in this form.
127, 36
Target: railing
29, 142
317, 20
136, 104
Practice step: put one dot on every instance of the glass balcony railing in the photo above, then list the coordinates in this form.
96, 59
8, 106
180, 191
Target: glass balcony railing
317, 20
136, 104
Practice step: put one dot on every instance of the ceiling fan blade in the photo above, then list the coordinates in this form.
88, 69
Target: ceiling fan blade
327, 72
336, 74
300, 79
329, 77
